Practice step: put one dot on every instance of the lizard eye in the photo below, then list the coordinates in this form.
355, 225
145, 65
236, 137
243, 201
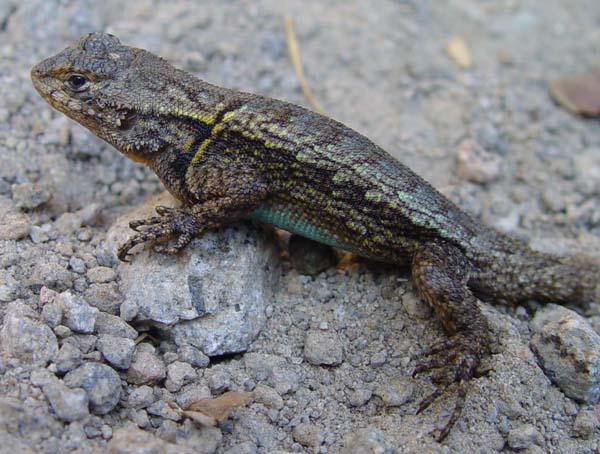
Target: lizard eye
76, 82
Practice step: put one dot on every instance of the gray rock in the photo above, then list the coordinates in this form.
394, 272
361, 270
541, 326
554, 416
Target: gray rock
284, 379
69, 404
368, 440
141, 397
9, 287
8, 253
163, 409
359, 397
67, 223
101, 274
24, 337
267, 396
62, 331
218, 379
217, 288
78, 314
106, 297
378, 359
101, 383
131, 440
51, 275
192, 393
323, 348
40, 233
395, 393
118, 351
112, 324
27, 422
203, 440
586, 423
243, 448
524, 437
30, 195
178, 374
13, 224
193, 355
77, 265
146, 367
52, 312
85, 342
568, 350
69, 357
308, 435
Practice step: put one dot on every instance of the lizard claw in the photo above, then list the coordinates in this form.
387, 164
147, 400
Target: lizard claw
453, 361
170, 222
135, 225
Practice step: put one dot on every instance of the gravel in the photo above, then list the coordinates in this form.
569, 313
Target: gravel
100, 356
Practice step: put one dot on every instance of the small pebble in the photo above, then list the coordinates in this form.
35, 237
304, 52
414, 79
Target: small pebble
69, 357
101, 275
359, 397
218, 379
79, 316
586, 423
268, 396
141, 397
101, 383
112, 324
69, 404
30, 195
476, 164
308, 435
323, 348
179, 374
524, 437
193, 355
146, 367
118, 351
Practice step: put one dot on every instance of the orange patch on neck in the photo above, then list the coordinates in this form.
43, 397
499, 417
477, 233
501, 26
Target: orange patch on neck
137, 158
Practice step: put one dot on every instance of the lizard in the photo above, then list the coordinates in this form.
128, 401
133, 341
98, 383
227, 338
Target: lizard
228, 155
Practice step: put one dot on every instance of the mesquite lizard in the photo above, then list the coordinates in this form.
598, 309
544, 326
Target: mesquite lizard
229, 155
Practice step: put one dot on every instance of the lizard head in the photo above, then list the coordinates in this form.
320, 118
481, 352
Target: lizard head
109, 88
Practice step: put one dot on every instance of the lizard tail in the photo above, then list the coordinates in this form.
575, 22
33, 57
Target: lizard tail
542, 277
571, 279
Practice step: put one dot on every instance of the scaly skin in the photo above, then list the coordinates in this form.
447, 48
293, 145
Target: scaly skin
229, 155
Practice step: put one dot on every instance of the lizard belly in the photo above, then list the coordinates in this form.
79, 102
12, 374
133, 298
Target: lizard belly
288, 219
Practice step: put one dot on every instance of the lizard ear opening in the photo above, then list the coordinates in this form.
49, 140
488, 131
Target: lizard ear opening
127, 119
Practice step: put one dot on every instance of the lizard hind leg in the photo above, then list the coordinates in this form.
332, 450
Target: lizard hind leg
440, 274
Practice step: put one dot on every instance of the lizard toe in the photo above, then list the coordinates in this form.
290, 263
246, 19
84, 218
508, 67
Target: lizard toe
455, 366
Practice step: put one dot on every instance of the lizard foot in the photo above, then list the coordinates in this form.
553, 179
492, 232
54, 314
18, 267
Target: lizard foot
168, 223
453, 361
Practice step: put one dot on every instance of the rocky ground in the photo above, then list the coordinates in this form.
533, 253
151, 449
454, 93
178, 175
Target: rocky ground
96, 354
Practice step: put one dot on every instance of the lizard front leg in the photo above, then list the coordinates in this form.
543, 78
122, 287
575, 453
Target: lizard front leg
229, 203
440, 273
